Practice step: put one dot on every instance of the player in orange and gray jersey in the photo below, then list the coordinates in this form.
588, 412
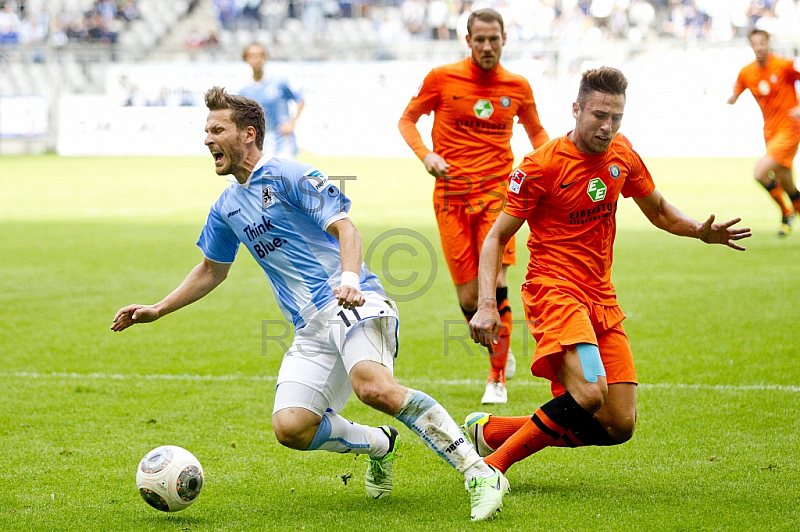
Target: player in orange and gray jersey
567, 192
474, 102
771, 81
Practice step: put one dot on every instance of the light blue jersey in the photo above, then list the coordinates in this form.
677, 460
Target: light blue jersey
274, 95
281, 215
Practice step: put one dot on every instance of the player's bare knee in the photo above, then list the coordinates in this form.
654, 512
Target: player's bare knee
373, 394
291, 434
468, 301
591, 396
622, 430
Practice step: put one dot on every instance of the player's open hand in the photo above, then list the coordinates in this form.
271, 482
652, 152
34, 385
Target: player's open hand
133, 314
435, 164
723, 233
485, 325
348, 296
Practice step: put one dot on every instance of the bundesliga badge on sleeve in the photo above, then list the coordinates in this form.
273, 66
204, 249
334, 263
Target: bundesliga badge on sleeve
516, 181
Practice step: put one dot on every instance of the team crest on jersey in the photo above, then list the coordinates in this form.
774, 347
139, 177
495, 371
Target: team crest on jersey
505, 101
483, 109
515, 185
267, 196
614, 171
763, 87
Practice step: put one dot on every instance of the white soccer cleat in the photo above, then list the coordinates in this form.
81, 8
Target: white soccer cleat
473, 428
486, 495
511, 365
495, 393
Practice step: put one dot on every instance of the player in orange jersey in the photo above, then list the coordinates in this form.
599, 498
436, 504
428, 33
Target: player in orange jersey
567, 191
771, 81
474, 102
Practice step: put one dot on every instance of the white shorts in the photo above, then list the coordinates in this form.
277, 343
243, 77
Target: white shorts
315, 372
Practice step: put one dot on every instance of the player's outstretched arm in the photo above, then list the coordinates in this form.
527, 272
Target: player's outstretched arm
665, 216
201, 280
348, 294
484, 327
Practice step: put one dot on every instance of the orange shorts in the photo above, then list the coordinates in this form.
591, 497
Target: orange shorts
560, 317
782, 146
464, 223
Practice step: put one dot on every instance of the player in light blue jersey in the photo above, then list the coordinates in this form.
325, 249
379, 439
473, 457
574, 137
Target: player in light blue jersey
294, 222
274, 95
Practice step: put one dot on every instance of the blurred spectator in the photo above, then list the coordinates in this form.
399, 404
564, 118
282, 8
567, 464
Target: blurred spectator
272, 13
197, 40
314, 17
9, 24
250, 17
577, 21
414, 17
107, 9
227, 13
438, 16
129, 11
641, 19
98, 21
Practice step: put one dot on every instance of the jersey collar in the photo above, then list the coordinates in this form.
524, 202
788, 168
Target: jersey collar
481, 73
261, 162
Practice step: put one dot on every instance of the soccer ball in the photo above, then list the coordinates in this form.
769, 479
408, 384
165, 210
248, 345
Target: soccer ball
169, 478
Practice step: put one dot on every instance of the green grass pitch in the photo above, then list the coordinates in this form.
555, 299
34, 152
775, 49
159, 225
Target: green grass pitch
714, 334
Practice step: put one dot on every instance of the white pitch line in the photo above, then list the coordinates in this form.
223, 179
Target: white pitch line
415, 381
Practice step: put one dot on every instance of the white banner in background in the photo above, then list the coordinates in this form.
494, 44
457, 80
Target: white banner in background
92, 125
676, 106
23, 116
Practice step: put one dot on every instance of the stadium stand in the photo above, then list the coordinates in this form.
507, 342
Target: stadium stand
52, 48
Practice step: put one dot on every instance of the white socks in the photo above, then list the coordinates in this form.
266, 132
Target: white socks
337, 434
423, 415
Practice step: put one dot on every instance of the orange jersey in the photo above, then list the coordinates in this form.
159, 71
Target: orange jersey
473, 120
569, 199
773, 88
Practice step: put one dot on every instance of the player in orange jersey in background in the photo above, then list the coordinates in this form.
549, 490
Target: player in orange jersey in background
567, 191
474, 102
771, 81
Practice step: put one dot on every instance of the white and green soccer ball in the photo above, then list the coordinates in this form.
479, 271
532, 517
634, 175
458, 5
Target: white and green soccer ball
169, 478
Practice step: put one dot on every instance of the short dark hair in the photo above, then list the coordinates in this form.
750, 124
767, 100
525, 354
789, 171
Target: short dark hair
604, 79
246, 111
758, 32
488, 15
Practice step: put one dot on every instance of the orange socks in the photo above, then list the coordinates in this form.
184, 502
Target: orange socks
529, 439
776, 191
498, 429
795, 202
561, 422
780, 199
500, 350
